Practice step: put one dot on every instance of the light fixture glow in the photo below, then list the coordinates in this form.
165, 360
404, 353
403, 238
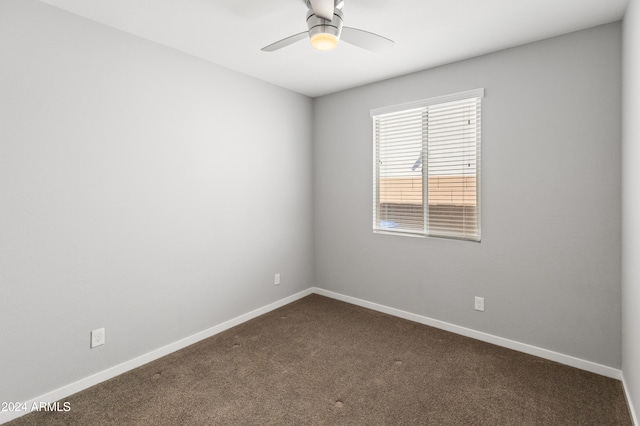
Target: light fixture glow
324, 41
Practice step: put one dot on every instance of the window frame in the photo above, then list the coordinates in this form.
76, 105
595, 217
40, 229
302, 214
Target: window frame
477, 95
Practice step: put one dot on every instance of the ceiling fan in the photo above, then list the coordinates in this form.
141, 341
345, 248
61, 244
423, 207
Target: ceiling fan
324, 20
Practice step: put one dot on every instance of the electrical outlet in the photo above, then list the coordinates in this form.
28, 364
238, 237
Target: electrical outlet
479, 304
97, 337
276, 279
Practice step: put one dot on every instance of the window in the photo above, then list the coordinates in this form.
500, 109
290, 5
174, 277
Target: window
427, 167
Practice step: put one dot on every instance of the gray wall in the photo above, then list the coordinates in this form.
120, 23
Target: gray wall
548, 265
142, 190
631, 205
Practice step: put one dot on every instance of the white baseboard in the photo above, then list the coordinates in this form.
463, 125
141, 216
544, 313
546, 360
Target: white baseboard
485, 337
632, 411
109, 373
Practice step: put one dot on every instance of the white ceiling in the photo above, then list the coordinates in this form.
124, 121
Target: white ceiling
427, 33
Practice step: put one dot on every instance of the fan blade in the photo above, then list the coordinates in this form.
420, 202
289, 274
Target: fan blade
365, 39
323, 8
285, 42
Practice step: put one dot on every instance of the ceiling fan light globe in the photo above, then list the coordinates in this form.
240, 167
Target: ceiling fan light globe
324, 41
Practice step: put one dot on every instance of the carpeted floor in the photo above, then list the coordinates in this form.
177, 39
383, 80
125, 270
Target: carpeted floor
319, 361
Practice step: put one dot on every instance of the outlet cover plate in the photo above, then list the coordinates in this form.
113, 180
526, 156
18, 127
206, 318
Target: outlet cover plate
97, 337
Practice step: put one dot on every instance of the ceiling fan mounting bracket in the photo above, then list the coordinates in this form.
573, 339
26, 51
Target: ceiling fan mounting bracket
337, 4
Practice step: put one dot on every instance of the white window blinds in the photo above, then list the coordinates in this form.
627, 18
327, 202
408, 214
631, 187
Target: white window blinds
427, 167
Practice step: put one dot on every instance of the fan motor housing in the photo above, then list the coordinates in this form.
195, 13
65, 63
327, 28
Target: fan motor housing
319, 25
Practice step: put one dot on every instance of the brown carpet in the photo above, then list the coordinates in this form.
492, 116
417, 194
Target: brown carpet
319, 361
